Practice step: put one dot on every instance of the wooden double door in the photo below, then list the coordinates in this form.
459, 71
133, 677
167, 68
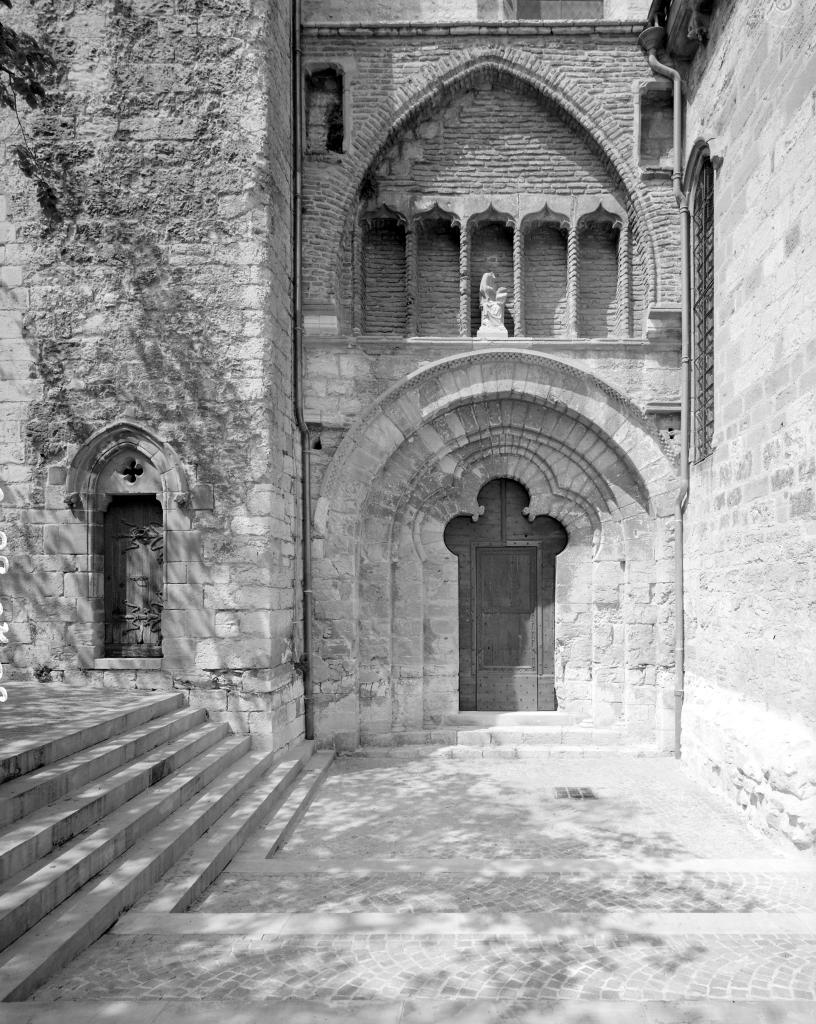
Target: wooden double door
507, 568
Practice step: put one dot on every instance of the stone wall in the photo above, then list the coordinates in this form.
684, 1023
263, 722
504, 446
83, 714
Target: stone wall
161, 300
383, 11
750, 712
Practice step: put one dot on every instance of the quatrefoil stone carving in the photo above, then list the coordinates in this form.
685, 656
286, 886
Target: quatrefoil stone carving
132, 471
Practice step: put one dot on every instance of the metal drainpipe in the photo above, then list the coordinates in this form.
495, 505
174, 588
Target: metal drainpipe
297, 368
650, 39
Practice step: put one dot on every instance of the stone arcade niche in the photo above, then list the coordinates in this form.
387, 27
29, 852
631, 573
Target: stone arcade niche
507, 567
324, 111
545, 280
491, 249
384, 294
564, 263
437, 249
598, 308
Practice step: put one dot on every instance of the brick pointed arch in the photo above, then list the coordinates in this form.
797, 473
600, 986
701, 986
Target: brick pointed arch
385, 586
576, 106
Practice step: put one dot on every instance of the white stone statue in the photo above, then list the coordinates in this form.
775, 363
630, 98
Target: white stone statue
492, 300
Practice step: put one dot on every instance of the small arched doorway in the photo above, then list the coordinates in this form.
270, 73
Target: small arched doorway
506, 602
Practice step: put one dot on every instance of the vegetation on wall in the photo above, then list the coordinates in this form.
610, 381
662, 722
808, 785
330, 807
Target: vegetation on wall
26, 69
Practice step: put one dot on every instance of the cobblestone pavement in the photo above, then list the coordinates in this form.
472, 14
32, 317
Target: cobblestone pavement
478, 967
558, 893
435, 807
434, 836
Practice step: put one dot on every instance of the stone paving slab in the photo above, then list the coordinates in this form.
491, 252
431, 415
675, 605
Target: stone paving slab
431, 807
238, 891
382, 967
428, 1011
531, 925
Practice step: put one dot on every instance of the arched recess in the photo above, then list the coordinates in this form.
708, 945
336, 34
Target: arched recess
564, 97
130, 490
386, 586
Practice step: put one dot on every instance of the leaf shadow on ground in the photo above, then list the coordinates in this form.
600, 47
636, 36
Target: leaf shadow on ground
423, 817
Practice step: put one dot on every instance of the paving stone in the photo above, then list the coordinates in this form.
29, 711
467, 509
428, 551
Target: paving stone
431, 807
415, 892
365, 966
449, 890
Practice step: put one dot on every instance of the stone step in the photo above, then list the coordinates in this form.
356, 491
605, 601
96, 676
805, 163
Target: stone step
535, 751
497, 751
25, 755
537, 924
267, 840
28, 793
188, 810
29, 896
412, 1011
199, 868
486, 719
35, 836
538, 736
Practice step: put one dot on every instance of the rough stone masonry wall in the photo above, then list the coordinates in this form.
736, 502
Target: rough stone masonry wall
163, 298
750, 711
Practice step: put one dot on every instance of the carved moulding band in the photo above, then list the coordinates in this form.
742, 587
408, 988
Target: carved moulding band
534, 371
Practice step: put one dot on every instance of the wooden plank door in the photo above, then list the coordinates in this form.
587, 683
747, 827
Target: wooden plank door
134, 549
507, 631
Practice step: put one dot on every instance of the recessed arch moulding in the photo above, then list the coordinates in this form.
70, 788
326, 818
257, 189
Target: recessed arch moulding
386, 598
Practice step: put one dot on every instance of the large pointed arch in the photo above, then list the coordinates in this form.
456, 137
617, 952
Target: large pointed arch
579, 109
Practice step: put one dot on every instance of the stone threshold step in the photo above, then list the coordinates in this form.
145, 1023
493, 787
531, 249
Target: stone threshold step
33, 751
488, 719
538, 925
302, 864
415, 1011
496, 752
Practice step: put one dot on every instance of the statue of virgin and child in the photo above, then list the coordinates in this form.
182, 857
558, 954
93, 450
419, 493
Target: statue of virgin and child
492, 301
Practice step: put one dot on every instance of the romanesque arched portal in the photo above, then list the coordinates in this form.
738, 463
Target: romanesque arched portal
386, 585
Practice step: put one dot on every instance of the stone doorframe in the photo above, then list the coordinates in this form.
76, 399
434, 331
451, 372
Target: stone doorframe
386, 601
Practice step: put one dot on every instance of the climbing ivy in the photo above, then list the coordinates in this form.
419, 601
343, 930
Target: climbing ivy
25, 68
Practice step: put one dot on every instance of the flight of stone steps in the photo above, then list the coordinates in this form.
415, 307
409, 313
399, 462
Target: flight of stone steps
506, 735
95, 809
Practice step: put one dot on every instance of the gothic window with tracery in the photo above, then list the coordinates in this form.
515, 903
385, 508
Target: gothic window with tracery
703, 310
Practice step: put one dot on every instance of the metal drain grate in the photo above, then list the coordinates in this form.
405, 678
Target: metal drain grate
574, 793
